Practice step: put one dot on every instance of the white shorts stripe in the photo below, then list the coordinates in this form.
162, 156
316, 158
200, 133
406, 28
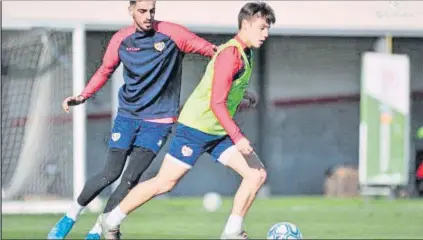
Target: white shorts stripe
226, 155
174, 159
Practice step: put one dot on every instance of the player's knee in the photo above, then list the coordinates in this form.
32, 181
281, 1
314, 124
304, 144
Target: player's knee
115, 164
112, 176
257, 177
129, 181
130, 178
165, 185
263, 176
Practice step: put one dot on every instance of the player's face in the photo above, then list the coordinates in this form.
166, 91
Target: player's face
257, 31
143, 13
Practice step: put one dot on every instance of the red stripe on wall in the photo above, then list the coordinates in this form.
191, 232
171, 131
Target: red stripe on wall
278, 103
295, 102
63, 119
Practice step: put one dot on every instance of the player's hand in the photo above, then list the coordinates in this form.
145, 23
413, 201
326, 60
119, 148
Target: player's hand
250, 99
244, 146
72, 101
214, 47
217, 47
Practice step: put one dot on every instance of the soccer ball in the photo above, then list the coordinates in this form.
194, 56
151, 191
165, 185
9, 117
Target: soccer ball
212, 201
284, 230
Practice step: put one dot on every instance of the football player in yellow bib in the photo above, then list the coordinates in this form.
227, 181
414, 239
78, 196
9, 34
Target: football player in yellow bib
206, 125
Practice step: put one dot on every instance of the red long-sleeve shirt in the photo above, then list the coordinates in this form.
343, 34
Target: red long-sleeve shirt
228, 65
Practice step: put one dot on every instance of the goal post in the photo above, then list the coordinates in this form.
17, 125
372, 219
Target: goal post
43, 148
79, 115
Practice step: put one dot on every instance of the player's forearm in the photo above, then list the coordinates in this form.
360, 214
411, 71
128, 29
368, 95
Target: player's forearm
189, 42
199, 45
186, 40
222, 114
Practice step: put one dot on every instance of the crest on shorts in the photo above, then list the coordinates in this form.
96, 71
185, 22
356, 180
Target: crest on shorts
159, 46
159, 143
115, 136
186, 151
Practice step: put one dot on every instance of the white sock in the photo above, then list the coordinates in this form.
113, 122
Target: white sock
96, 229
74, 211
234, 224
115, 217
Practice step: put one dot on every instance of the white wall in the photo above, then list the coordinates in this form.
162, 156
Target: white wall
310, 15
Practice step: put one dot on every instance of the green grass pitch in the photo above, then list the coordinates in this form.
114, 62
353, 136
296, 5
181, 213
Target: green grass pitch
185, 218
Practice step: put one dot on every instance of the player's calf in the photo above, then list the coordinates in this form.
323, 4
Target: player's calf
141, 158
112, 170
169, 174
164, 185
254, 175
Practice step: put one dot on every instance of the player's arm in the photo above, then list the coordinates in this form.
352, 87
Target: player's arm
186, 40
226, 65
109, 64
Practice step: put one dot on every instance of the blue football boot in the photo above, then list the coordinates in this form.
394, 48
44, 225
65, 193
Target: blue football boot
61, 229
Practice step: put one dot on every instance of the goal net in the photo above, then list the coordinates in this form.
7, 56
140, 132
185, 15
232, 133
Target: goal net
36, 135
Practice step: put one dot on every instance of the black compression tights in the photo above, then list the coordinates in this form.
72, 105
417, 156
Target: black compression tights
141, 159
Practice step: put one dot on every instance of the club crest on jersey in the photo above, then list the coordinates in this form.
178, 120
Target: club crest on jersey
115, 136
186, 151
159, 46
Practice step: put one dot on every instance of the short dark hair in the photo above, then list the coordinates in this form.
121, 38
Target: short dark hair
134, 2
260, 9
